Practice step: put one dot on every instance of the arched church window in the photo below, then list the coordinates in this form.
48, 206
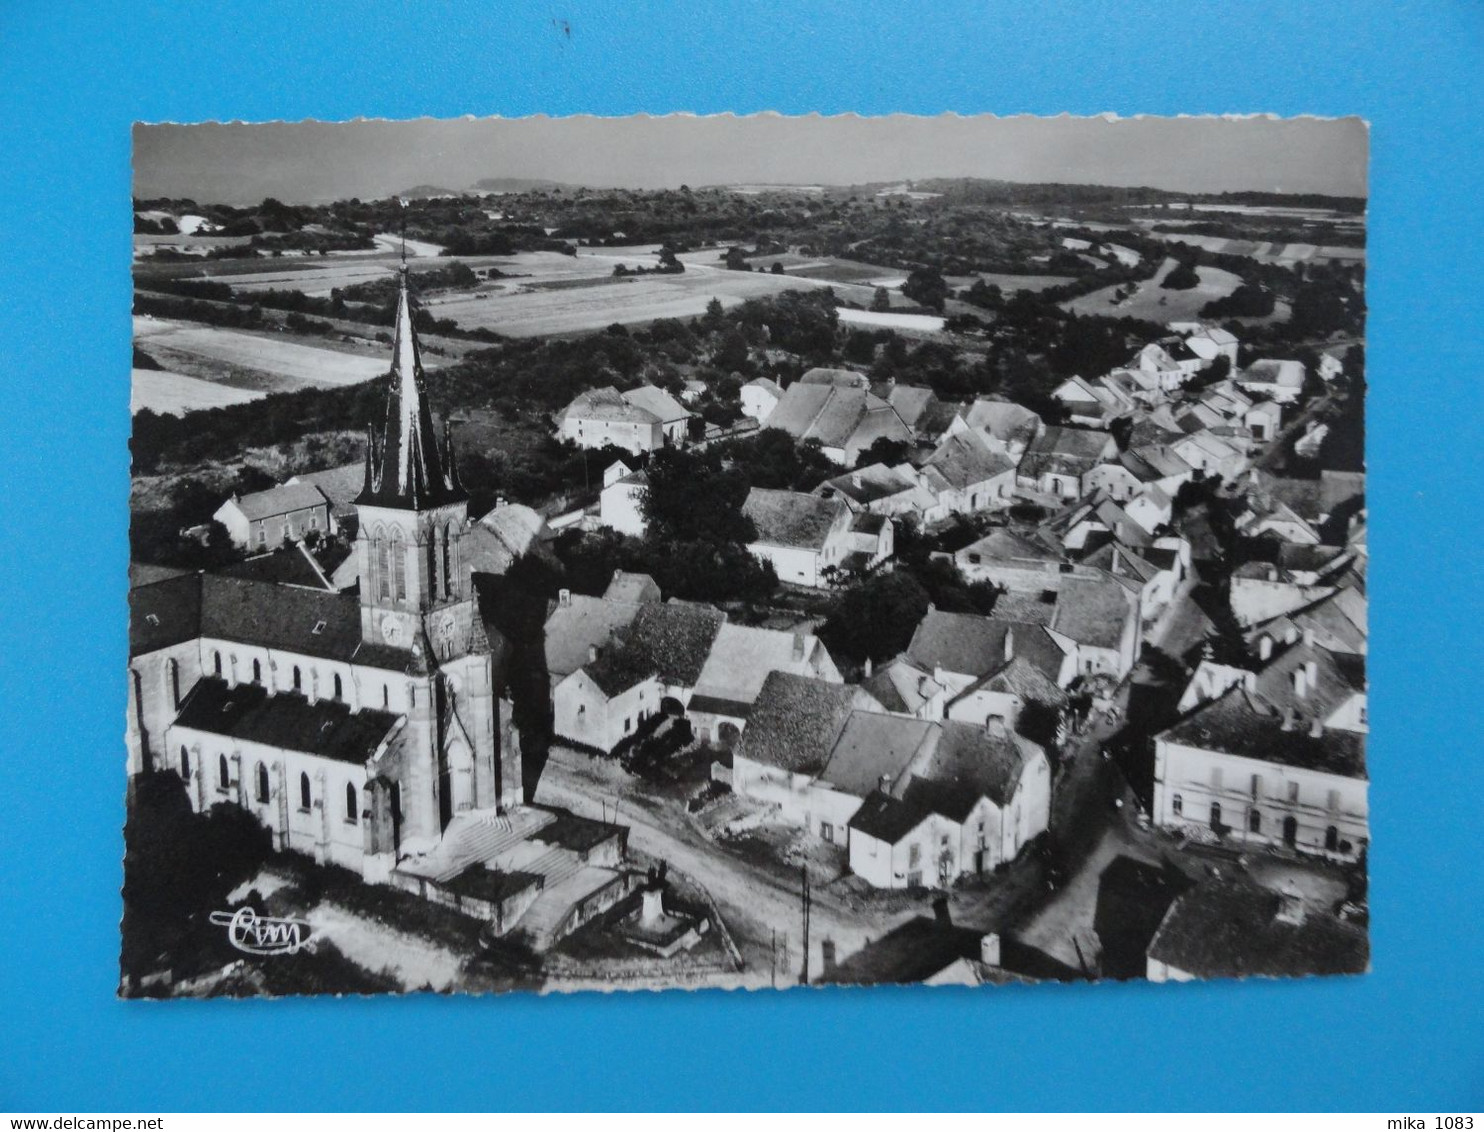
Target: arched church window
257, 672
383, 567
185, 764
217, 661
435, 583
298, 678
352, 809
339, 689
172, 676
262, 783
386, 696
399, 566
305, 799
223, 776
450, 564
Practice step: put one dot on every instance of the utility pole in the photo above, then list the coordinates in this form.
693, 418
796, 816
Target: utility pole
804, 872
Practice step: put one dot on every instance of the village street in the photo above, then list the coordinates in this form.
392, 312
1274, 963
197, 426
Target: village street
754, 902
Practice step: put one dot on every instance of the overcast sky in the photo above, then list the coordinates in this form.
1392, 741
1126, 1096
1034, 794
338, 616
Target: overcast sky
318, 161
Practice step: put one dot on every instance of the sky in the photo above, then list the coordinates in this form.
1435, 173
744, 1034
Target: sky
239, 163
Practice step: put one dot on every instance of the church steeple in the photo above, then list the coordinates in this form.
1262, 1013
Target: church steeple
406, 465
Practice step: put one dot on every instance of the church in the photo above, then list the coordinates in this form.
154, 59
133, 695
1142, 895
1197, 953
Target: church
356, 727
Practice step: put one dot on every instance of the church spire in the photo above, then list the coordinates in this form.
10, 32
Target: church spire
406, 466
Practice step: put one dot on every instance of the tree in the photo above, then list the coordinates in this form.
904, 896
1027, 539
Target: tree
736, 259
1181, 277
875, 618
691, 497
881, 300
926, 287
777, 268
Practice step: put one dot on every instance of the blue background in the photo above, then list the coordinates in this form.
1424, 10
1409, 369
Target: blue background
75, 77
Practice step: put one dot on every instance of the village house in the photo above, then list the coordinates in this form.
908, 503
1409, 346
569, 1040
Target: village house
1092, 404
888, 491
972, 477
1209, 342
265, 520
1211, 455
1008, 428
968, 800
621, 502
760, 396
917, 405
640, 420
578, 624
899, 687
1057, 462
1155, 360
1273, 379
810, 540
837, 409
1302, 576
648, 668
340, 486
1013, 561
1135, 471
1337, 621
1276, 759
507, 532
739, 663
1230, 927
964, 650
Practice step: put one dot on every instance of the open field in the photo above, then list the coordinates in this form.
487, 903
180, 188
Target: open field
892, 320
238, 358
1009, 283
178, 394
1264, 251
1152, 302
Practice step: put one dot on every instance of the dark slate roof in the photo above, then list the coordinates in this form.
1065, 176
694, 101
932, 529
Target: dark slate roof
719, 705
867, 485
872, 746
311, 622
164, 613
406, 464
145, 574
289, 565
1235, 725
965, 459
671, 641
287, 720
965, 643
1026, 609
886, 818
1092, 612
1024, 677
970, 762
792, 518
1229, 928
1070, 451
911, 953
795, 721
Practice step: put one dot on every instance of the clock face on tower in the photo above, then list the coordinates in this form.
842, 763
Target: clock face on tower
443, 630
392, 631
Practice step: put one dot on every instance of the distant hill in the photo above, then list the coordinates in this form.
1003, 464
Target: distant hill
426, 192
515, 185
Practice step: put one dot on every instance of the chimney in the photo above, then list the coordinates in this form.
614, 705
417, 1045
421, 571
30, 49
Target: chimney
1316, 728
1308, 635
826, 955
989, 949
1249, 681
1290, 906
1265, 647
940, 912
801, 646
564, 597
1289, 718
855, 480
995, 725
866, 671
592, 654
884, 784
499, 501
1301, 681
938, 676
1009, 645
1311, 673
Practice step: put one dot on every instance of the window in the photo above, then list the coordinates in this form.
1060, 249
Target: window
1293, 792
1177, 804
626, 723
262, 537
1254, 822
383, 569
1216, 816
257, 672
185, 764
298, 678
399, 566
1331, 838
1332, 801
386, 696
217, 661
339, 689
173, 671
974, 558
914, 855
827, 831
223, 775
1215, 778
1257, 786
262, 783
319, 627
305, 799
352, 810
